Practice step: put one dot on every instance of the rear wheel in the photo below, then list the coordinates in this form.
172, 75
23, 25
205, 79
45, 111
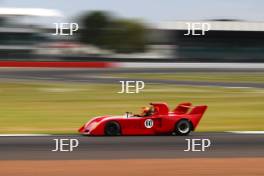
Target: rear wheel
112, 129
183, 127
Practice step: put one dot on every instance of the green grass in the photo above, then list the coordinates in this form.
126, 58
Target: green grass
27, 107
250, 77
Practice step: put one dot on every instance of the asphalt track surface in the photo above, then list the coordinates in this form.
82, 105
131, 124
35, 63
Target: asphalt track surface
97, 76
132, 147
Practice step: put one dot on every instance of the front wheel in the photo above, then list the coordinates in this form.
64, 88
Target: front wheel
183, 127
112, 129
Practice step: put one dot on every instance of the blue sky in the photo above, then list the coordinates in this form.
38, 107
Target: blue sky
153, 10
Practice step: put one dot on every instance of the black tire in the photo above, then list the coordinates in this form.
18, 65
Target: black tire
183, 127
112, 129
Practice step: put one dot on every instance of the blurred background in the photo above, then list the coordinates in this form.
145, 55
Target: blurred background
129, 40
132, 31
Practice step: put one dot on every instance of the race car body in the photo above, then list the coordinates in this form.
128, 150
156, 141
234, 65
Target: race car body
156, 120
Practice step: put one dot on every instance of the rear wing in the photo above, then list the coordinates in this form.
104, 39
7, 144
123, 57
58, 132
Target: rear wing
198, 110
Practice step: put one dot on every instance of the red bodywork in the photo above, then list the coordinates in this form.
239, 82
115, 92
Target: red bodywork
163, 121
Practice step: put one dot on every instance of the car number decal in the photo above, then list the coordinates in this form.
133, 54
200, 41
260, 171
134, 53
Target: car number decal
149, 123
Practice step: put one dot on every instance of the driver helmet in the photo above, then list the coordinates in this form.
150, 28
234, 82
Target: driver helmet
145, 111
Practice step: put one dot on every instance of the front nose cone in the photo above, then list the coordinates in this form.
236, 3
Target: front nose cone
81, 130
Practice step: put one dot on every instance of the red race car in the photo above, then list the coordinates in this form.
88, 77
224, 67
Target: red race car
154, 120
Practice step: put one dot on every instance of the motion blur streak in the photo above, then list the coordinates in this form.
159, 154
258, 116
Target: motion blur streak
153, 167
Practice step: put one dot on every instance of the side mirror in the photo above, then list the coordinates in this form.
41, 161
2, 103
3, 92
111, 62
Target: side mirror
127, 114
